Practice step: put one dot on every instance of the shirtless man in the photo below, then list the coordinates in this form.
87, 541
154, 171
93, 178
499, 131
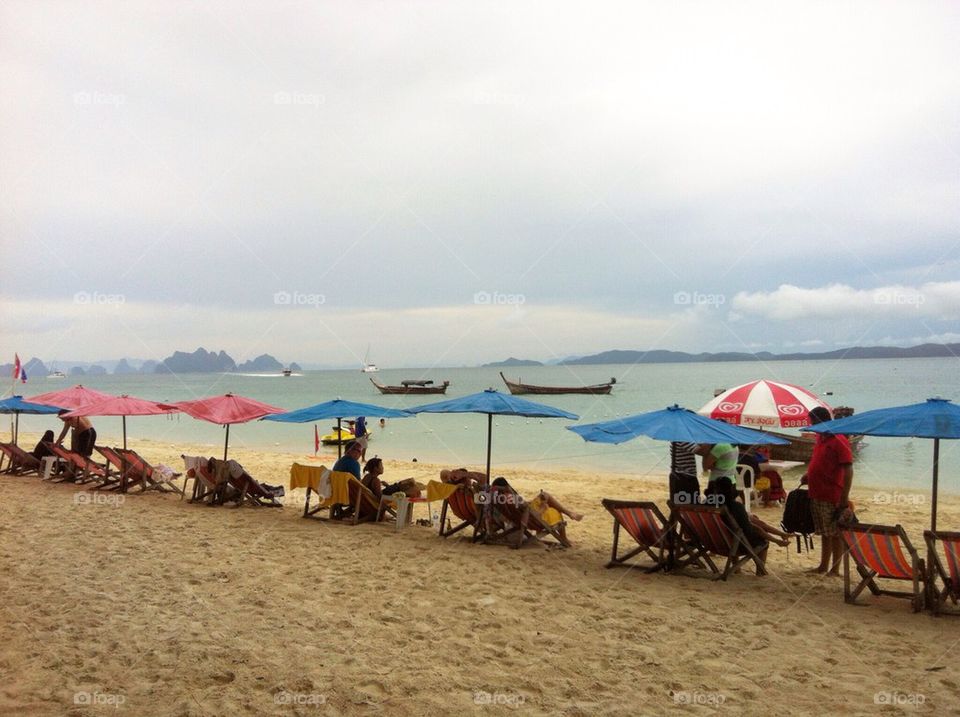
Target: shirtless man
84, 435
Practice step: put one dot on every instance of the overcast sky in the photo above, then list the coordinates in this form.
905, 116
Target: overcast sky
454, 183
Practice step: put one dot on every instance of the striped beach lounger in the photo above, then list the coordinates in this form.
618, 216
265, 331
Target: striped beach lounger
645, 523
885, 552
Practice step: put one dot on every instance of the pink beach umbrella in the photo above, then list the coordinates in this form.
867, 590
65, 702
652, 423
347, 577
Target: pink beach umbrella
226, 410
764, 404
71, 397
122, 406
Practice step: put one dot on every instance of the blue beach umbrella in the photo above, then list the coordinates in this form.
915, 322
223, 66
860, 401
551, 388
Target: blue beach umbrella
936, 418
673, 424
16, 405
493, 403
339, 409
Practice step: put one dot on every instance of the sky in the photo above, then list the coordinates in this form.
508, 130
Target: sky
454, 183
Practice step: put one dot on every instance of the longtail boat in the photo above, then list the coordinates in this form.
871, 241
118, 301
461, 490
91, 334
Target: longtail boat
801, 447
418, 387
518, 388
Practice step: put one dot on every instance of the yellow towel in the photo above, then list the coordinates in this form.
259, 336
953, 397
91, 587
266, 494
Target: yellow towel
550, 516
440, 491
339, 488
302, 476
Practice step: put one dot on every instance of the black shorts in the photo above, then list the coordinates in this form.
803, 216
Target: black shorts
85, 442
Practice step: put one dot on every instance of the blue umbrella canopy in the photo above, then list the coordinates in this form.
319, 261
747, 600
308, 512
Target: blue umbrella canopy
339, 409
673, 424
935, 418
16, 405
493, 403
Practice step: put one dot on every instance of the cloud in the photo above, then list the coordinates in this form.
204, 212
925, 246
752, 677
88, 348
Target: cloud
934, 300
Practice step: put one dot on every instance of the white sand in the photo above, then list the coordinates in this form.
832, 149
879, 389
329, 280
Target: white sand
180, 609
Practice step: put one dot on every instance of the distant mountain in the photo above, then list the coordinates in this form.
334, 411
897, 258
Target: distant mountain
512, 362
123, 367
856, 352
77, 371
295, 367
261, 364
34, 368
200, 361
96, 370
149, 366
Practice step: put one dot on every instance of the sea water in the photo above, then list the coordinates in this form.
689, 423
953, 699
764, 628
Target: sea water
460, 439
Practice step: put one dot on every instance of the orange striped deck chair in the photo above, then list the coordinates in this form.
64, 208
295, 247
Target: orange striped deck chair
709, 530
21, 462
82, 468
881, 551
147, 474
463, 506
504, 515
947, 571
126, 474
643, 521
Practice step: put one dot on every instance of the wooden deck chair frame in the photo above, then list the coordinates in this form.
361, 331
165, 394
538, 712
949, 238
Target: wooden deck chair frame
89, 469
949, 575
511, 510
20, 462
150, 477
204, 483
121, 480
359, 494
861, 545
461, 502
652, 533
724, 539
252, 492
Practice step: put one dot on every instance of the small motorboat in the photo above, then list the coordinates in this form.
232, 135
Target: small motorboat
338, 436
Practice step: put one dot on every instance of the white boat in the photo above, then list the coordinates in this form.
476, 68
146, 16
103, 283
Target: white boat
56, 374
367, 366
287, 372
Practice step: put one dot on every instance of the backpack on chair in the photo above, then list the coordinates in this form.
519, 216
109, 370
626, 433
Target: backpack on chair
797, 517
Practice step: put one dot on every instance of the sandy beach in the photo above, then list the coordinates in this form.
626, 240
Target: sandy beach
146, 605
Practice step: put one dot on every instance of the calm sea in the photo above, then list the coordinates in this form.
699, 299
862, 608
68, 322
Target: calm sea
460, 439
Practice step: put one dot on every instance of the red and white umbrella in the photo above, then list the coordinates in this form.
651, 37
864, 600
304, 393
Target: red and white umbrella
764, 404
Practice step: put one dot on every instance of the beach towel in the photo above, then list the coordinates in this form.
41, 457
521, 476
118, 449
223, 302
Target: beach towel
191, 463
440, 491
312, 477
338, 484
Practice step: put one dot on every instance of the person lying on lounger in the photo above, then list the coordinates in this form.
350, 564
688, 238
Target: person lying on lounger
548, 509
471, 479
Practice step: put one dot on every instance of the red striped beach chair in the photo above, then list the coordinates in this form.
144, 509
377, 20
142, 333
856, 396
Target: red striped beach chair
709, 530
946, 571
82, 468
881, 551
20, 462
149, 477
504, 513
461, 503
643, 521
122, 479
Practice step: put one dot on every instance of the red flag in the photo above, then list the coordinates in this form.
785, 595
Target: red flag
316, 440
16, 366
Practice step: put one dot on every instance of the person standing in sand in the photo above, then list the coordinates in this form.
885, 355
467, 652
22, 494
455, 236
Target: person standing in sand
829, 476
684, 486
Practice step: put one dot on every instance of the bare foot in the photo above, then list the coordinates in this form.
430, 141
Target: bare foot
576, 516
833, 574
819, 570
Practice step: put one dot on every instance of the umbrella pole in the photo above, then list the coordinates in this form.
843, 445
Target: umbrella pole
936, 475
226, 441
124, 418
16, 428
489, 442
339, 441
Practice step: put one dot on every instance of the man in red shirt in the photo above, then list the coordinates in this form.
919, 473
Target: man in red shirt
829, 476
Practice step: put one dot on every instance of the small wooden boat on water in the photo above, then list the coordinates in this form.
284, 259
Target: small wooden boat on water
518, 388
418, 387
801, 447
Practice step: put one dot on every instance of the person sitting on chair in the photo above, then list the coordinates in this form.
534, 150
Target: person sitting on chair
548, 509
41, 451
350, 461
723, 493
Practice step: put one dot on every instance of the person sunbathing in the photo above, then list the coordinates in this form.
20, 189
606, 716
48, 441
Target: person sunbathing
461, 476
547, 508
